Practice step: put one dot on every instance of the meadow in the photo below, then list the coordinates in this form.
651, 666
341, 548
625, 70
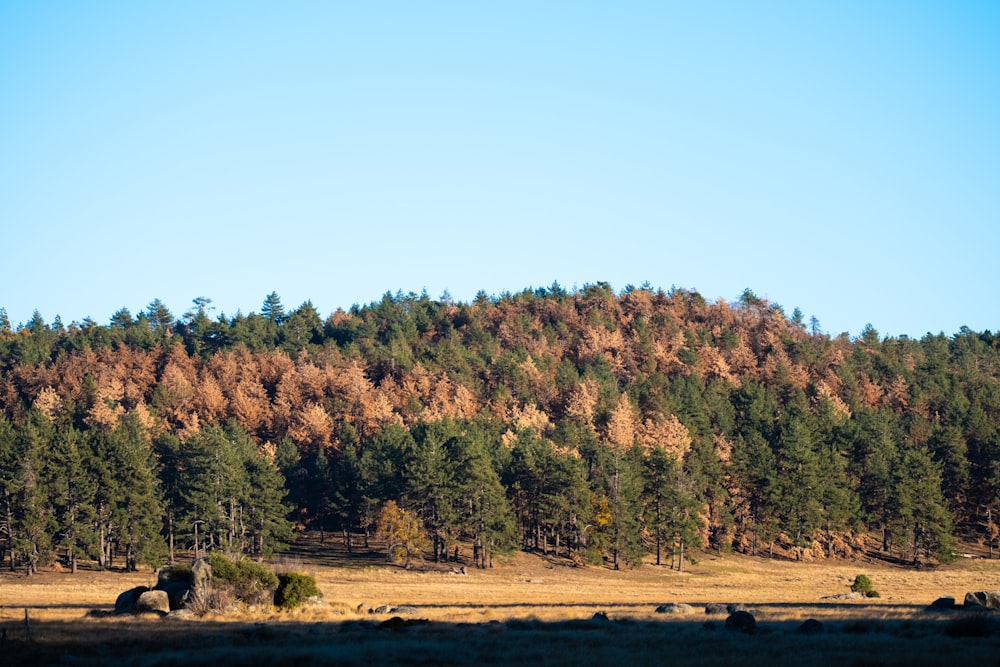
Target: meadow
531, 609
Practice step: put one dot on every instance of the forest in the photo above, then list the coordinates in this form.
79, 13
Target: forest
608, 427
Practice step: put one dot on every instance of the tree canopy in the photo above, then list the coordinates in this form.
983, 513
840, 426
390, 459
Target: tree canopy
598, 425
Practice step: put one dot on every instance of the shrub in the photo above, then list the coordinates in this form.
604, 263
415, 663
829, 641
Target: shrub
293, 589
863, 584
251, 582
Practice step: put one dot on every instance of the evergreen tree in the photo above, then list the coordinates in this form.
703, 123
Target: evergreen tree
135, 517
264, 513
71, 492
758, 488
919, 507
272, 308
799, 481
31, 514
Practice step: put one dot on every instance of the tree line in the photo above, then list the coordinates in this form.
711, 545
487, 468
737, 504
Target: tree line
599, 425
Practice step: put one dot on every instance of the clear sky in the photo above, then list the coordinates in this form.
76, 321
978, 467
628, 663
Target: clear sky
840, 157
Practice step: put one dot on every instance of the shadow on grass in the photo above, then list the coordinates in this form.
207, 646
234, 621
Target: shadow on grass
414, 641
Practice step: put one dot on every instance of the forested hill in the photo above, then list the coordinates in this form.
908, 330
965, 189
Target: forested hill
601, 425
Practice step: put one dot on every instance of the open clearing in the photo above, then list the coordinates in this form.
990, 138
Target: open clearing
532, 609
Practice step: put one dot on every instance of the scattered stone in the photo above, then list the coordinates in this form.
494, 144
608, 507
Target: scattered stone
382, 609
153, 601
716, 608
946, 603
405, 609
980, 600
674, 608
853, 595
741, 621
126, 602
810, 627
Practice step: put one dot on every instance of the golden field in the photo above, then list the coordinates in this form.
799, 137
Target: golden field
529, 610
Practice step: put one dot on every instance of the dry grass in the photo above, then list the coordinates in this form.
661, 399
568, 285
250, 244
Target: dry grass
531, 609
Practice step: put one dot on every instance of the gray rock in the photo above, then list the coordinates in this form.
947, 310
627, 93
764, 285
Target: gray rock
405, 609
382, 609
810, 627
980, 600
716, 608
741, 621
946, 603
153, 601
177, 592
169, 574
201, 574
674, 608
126, 602
853, 595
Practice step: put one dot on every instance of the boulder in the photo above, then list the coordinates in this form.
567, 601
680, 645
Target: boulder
153, 601
382, 609
741, 621
946, 603
177, 592
201, 574
674, 608
169, 574
716, 608
980, 600
397, 623
405, 609
126, 602
810, 627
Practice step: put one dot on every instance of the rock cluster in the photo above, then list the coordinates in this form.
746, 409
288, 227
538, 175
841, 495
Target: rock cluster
175, 588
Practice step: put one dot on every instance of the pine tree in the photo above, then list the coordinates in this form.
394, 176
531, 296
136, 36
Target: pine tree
480, 501
272, 308
71, 491
919, 507
799, 481
264, 513
32, 516
137, 514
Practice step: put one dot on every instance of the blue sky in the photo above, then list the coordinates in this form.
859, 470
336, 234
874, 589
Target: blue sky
843, 158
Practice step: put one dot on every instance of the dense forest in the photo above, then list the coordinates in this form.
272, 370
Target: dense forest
602, 426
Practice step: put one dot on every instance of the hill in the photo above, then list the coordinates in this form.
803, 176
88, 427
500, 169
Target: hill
602, 426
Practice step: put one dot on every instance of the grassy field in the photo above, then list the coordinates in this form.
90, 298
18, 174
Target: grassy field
530, 610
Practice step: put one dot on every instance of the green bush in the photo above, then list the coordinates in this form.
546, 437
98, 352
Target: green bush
251, 582
863, 584
294, 588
